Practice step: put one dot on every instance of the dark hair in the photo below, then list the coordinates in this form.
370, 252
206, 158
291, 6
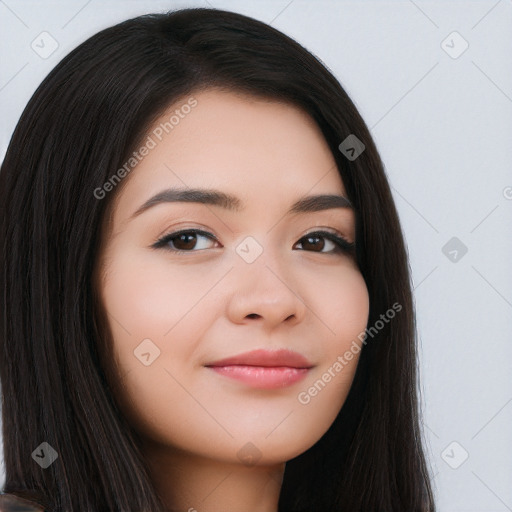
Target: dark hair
80, 126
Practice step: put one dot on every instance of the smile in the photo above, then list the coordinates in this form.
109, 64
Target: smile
264, 369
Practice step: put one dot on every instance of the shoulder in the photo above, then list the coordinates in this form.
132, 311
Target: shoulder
12, 503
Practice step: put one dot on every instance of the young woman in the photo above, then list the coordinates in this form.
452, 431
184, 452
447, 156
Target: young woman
206, 302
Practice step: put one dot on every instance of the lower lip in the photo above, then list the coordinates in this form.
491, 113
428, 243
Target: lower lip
263, 377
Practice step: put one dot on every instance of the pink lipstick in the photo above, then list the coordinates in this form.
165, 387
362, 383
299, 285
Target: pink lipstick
264, 369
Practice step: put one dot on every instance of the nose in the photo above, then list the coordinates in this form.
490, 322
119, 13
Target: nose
262, 292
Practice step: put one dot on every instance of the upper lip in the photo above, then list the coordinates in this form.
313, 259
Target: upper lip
269, 358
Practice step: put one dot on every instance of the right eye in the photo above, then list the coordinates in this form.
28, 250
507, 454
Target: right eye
183, 241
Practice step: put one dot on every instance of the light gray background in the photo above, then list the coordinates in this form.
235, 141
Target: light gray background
443, 127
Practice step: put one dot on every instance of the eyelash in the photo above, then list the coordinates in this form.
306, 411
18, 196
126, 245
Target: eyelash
342, 244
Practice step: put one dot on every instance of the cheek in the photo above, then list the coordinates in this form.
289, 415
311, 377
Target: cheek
340, 302
156, 318
148, 298
352, 308
343, 309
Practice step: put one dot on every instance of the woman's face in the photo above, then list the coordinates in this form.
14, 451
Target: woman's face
252, 280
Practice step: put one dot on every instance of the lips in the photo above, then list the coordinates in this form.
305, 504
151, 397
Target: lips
264, 369
266, 358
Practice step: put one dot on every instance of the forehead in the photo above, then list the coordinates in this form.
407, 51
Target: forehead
266, 152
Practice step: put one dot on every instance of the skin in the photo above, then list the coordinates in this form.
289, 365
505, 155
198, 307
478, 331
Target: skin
209, 303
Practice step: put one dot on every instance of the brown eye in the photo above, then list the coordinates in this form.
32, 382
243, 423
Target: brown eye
316, 242
313, 242
188, 241
185, 241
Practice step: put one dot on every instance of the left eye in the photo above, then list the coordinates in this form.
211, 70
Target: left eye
339, 243
185, 241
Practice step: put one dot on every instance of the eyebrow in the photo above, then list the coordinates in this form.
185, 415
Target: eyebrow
314, 203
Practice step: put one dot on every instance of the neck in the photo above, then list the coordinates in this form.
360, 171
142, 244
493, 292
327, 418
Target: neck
189, 483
